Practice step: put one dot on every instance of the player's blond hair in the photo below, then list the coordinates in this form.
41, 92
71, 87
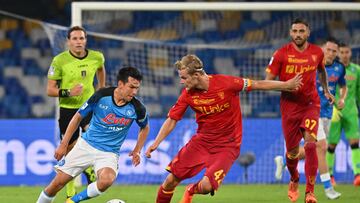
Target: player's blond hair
191, 63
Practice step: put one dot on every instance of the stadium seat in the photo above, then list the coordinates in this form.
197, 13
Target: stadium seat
5, 44
26, 52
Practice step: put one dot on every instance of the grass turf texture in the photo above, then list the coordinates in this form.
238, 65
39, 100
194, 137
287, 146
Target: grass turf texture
226, 194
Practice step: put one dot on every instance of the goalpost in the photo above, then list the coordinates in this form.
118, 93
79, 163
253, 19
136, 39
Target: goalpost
78, 7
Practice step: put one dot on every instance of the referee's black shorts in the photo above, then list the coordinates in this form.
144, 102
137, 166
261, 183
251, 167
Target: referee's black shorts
64, 120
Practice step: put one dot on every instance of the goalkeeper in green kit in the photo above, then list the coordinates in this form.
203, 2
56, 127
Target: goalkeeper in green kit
71, 78
347, 118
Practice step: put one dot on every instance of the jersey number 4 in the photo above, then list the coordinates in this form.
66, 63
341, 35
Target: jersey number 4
219, 176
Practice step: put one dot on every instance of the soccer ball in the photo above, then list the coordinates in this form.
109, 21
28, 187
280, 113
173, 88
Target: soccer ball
116, 201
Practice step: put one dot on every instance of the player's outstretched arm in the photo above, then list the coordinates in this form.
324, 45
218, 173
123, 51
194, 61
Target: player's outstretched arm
135, 154
168, 125
291, 85
73, 125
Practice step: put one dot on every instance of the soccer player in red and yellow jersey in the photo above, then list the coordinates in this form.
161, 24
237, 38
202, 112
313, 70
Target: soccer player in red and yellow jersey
300, 109
216, 144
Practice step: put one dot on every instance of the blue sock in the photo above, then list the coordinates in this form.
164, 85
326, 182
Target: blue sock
83, 195
325, 179
284, 160
327, 184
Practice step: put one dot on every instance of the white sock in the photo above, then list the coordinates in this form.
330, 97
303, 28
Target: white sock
92, 190
324, 177
44, 198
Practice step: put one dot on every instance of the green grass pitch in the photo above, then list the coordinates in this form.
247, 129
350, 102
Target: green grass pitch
226, 194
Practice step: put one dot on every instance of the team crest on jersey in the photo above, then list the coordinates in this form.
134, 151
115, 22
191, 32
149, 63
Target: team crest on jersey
51, 71
221, 95
61, 162
336, 68
129, 112
83, 73
314, 57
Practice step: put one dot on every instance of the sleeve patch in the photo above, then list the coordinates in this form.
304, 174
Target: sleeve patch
51, 71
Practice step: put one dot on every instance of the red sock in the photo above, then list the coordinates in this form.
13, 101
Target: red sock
311, 166
164, 196
292, 167
196, 189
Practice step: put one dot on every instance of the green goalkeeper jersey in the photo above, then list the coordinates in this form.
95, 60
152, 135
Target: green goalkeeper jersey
353, 84
70, 71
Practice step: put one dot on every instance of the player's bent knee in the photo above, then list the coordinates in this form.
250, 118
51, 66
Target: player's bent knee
170, 182
331, 149
321, 146
105, 180
205, 186
293, 154
104, 184
354, 146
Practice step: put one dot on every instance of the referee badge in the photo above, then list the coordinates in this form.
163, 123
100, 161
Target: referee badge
83, 73
51, 71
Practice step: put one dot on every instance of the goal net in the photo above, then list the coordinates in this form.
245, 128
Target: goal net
231, 38
236, 39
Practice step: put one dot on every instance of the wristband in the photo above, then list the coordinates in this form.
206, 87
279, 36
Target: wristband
64, 93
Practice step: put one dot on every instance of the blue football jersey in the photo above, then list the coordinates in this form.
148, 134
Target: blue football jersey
336, 75
110, 123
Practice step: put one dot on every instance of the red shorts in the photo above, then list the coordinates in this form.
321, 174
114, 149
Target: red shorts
195, 156
294, 124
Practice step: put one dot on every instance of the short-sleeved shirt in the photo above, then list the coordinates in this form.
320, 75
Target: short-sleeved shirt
71, 70
286, 63
218, 112
336, 75
110, 123
352, 78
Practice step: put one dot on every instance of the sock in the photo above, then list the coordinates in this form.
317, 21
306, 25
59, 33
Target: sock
196, 189
284, 160
164, 196
44, 198
90, 192
70, 188
311, 166
325, 179
355, 158
330, 160
292, 167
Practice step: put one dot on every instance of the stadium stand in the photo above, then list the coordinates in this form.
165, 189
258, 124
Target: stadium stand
26, 52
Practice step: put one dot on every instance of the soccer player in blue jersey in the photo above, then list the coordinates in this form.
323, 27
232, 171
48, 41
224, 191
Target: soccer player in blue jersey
336, 76
113, 111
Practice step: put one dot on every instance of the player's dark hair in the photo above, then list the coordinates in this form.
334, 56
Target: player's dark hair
300, 21
343, 44
333, 40
126, 72
75, 28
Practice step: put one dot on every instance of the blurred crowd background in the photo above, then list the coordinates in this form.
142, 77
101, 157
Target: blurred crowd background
236, 43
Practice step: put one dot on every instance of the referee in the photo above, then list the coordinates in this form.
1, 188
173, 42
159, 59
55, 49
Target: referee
71, 78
